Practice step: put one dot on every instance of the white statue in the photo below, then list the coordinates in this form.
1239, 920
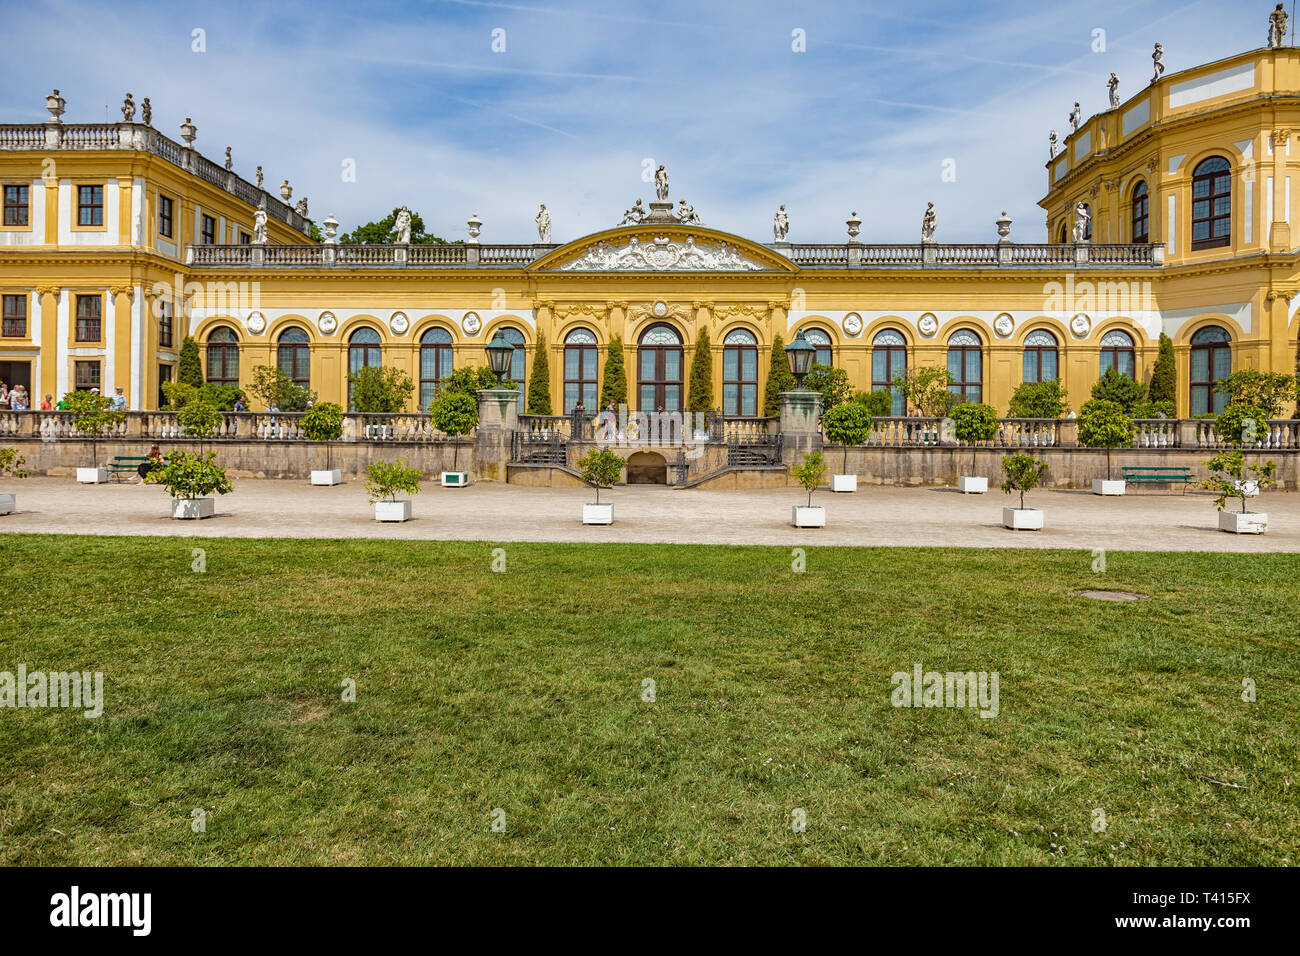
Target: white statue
1112, 87
259, 225
259, 177
780, 224
927, 223
661, 183
128, 109
1052, 144
1277, 27
1075, 117
543, 220
687, 214
403, 226
634, 215
1081, 217
1158, 58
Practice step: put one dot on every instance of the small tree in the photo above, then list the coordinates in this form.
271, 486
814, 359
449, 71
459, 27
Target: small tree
1230, 473
601, 469
613, 388
699, 394
324, 422
1023, 473
1269, 391
539, 382
974, 422
380, 389
190, 476
833, 384
1164, 374
92, 415
811, 473
387, 478
1037, 400
470, 379
199, 419
879, 404
189, 370
927, 389
1117, 387
11, 463
455, 414
1104, 424
272, 386
779, 379
847, 424
1242, 425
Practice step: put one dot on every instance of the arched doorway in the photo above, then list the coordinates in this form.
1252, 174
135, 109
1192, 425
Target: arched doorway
647, 468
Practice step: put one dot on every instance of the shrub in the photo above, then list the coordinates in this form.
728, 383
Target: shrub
811, 473
779, 379
380, 389
1038, 400
199, 419
220, 397
190, 476
613, 387
1241, 425
92, 415
189, 370
11, 463
1268, 391
699, 394
272, 386
539, 383
1119, 388
1023, 473
469, 380
847, 424
879, 404
455, 414
833, 384
323, 422
601, 468
387, 478
1229, 473
178, 394
1164, 375
1104, 424
1153, 408
974, 422
927, 389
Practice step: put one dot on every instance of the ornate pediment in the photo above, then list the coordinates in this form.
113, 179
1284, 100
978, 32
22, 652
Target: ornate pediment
662, 254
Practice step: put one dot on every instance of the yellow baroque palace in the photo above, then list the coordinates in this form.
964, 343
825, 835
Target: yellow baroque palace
1170, 212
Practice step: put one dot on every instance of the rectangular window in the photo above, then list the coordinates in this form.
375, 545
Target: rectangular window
15, 315
87, 375
165, 324
16, 205
209, 233
89, 314
165, 216
90, 205
245, 239
164, 375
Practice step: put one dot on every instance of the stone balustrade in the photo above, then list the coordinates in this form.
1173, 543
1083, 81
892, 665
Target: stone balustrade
162, 426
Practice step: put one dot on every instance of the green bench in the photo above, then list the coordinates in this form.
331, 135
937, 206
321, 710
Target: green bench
125, 465
1146, 475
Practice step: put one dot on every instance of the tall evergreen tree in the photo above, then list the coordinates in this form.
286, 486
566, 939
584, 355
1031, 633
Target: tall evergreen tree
1164, 373
779, 379
190, 370
699, 396
539, 383
614, 386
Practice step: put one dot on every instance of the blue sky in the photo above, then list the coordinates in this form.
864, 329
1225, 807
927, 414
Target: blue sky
586, 93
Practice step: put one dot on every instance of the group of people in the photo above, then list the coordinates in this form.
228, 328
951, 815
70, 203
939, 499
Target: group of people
15, 398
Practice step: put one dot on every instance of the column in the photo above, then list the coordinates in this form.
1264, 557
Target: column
1279, 229
49, 343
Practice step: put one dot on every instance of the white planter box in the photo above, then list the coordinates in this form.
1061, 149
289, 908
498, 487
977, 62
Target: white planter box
972, 486
1103, 486
844, 482
393, 510
7, 504
92, 476
193, 507
809, 517
1252, 522
332, 477
598, 514
1252, 488
455, 479
1022, 519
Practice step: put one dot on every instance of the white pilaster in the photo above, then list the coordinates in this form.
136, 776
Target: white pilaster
135, 400
61, 344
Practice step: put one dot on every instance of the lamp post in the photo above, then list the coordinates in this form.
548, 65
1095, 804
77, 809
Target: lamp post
800, 354
499, 353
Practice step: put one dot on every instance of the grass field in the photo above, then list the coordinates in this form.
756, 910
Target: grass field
523, 691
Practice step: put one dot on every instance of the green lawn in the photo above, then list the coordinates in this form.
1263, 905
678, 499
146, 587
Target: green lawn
523, 691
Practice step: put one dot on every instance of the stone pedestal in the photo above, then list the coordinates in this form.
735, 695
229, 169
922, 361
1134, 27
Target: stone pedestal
800, 412
498, 418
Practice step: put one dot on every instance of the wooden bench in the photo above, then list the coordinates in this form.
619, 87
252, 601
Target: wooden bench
125, 465
1147, 475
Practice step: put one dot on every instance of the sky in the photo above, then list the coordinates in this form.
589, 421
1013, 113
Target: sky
887, 106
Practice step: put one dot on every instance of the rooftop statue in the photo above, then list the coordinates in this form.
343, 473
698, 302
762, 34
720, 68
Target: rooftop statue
403, 226
1158, 58
543, 220
1052, 146
928, 223
780, 224
1081, 217
1075, 117
128, 109
661, 183
634, 215
259, 225
687, 214
146, 112
1112, 87
229, 161
1277, 27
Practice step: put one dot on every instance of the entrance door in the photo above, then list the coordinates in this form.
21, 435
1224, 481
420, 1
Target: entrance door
19, 373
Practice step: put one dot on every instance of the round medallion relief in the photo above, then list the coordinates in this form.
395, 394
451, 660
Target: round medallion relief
256, 323
661, 308
1080, 325
1004, 325
327, 322
471, 323
853, 323
927, 324
399, 323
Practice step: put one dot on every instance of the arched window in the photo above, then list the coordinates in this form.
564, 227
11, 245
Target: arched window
1117, 353
435, 363
518, 362
888, 361
363, 352
1065, 231
659, 370
740, 373
293, 355
1087, 228
965, 366
1040, 362
1211, 361
1141, 213
821, 341
223, 356
581, 352
1212, 203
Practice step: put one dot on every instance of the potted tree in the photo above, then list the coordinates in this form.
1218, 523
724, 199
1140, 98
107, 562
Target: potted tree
92, 415
1229, 476
1104, 424
810, 475
1023, 473
455, 414
1246, 426
847, 424
386, 480
601, 468
324, 422
973, 422
199, 419
191, 480
11, 464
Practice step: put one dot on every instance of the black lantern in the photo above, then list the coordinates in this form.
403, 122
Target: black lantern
801, 355
499, 352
